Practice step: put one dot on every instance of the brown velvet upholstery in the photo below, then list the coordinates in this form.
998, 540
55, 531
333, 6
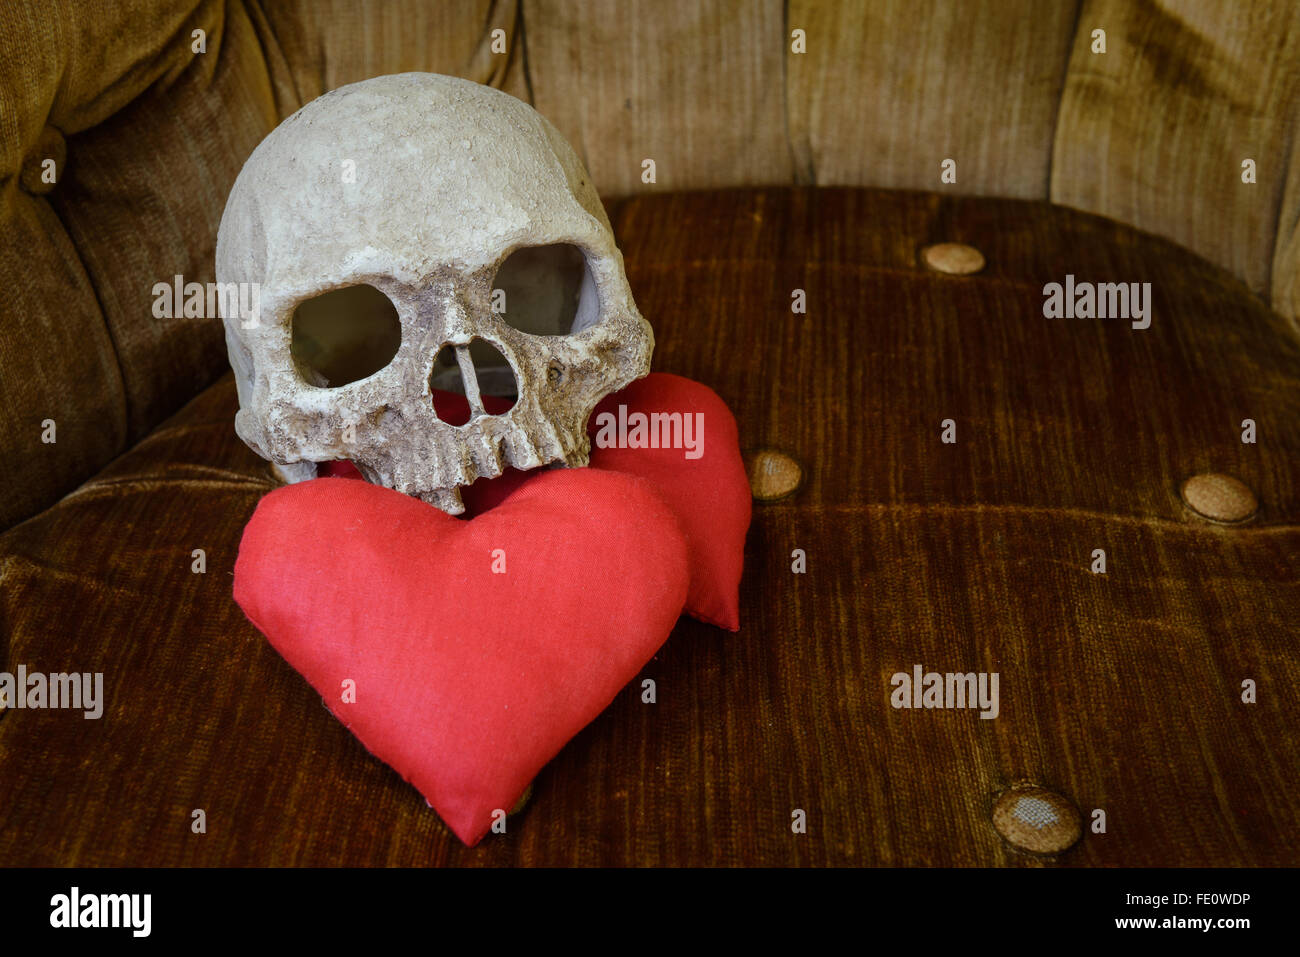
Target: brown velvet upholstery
1120, 691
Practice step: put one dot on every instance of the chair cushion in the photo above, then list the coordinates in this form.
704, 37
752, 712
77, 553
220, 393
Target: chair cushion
1120, 692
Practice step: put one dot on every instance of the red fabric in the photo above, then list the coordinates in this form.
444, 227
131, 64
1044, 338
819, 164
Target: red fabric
467, 681
710, 494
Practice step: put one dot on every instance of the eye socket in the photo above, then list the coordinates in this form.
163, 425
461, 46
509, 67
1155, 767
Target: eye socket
546, 291
344, 335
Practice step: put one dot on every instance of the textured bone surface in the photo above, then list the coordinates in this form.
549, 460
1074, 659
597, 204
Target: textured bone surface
422, 186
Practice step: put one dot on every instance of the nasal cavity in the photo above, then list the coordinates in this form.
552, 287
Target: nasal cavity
470, 381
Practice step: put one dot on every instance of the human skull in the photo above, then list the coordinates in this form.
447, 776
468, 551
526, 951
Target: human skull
421, 190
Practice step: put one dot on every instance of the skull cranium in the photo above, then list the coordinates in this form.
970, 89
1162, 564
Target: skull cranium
422, 187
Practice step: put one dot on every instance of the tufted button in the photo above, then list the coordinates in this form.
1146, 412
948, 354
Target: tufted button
772, 474
50, 145
1219, 498
956, 259
1037, 820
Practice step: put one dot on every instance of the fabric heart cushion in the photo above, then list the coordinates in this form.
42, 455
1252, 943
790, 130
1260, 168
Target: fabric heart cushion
704, 484
474, 649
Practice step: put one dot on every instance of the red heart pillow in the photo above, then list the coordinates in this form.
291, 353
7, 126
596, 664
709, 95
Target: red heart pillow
706, 486
477, 648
